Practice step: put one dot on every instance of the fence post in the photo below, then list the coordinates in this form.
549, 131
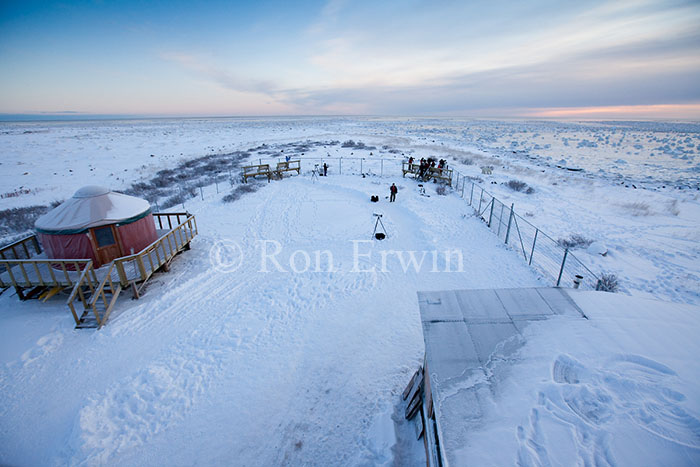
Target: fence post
563, 261
493, 201
463, 180
217, 186
201, 192
532, 252
510, 220
471, 195
481, 197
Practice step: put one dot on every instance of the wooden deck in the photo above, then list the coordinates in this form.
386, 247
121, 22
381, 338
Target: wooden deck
42, 271
431, 173
32, 274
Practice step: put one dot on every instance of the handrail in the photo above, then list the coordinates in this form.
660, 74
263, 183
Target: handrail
175, 242
71, 297
21, 242
62, 273
77, 290
99, 290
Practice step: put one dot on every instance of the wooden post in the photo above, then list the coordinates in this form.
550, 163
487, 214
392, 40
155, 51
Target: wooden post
471, 195
491, 213
481, 197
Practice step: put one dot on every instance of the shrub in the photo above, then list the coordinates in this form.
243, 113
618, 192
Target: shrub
441, 190
637, 208
15, 220
608, 283
516, 185
239, 191
574, 241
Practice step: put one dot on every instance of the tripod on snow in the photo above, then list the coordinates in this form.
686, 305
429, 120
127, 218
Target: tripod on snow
379, 235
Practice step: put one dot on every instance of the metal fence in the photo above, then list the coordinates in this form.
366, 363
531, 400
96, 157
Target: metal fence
557, 264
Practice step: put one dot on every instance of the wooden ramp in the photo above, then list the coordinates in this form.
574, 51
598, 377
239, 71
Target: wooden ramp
463, 331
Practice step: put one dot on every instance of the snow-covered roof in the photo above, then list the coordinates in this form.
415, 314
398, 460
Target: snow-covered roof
542, 376
92, 206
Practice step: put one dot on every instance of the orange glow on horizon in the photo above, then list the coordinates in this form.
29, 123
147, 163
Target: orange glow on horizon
680, 111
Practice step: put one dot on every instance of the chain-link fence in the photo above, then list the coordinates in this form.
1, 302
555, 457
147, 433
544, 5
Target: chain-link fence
552, 260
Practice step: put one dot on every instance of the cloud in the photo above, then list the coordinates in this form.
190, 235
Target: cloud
220, 75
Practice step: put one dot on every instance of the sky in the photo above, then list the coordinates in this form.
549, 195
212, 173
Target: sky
539, 58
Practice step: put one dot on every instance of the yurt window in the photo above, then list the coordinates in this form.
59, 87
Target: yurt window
104, 236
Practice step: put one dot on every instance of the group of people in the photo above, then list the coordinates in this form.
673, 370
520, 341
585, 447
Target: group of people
426, 164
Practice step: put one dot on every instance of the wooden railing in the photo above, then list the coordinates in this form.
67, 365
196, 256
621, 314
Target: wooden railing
23, 246
83, 280
289, 166
429, 173
97, 292
166, 218
42, 272
255, 170
140, 266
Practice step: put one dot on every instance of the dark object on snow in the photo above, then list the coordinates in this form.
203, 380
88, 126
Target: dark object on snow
374, 198
379, 234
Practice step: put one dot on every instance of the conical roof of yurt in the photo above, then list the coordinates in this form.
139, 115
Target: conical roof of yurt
92, 206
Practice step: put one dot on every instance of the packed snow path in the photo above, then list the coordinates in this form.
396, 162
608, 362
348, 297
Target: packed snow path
248, 367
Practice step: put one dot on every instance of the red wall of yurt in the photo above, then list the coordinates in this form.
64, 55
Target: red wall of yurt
71, 246
137, 235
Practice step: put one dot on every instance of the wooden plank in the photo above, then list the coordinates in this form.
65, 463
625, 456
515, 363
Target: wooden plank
411, 383
12, 276
51, 273
115, 295
142, 268
38, 273
75, 315
24, 273
65, 272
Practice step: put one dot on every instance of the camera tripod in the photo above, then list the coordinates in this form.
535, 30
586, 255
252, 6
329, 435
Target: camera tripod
377, 224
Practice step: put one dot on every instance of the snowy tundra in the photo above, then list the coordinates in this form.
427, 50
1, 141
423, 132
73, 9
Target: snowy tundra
286, 335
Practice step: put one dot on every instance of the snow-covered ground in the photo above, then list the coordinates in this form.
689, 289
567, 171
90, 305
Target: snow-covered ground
219, 364
259, 368
621, 387
638, 193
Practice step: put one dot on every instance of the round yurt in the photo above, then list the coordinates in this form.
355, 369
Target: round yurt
97, 224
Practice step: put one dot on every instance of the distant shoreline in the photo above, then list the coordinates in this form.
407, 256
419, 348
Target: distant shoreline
79, 117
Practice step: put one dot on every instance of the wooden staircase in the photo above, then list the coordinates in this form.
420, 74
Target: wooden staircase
96, 306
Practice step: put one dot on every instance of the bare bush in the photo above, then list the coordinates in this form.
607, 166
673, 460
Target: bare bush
441, 190
574, 241
517, 185
15, 220
637, 209
608, 283
239, 191
673, 207
464, 160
